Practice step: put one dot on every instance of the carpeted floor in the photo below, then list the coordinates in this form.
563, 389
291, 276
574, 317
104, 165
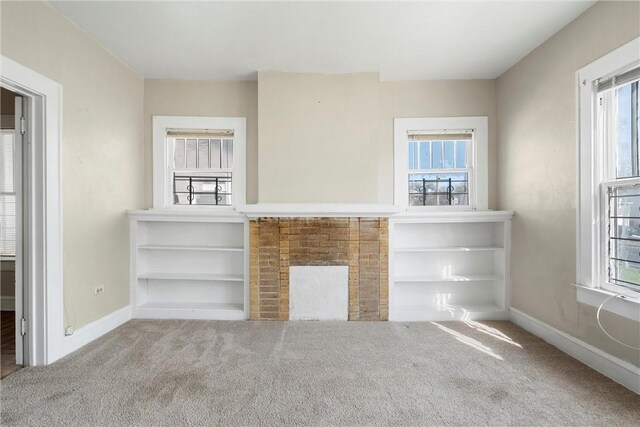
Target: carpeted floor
177, 372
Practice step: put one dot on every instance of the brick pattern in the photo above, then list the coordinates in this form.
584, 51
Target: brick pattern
277, 243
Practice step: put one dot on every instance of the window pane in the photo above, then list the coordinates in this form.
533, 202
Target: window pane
448, 154
425, 156
215, 153
623, 132
413, 155
203, 153
432, 189
191, 153
461, 154
178, 154
227, 154
436, 154
202, 189
624, 238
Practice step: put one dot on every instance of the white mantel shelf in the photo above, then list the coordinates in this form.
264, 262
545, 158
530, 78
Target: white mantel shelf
262, 210
275, 210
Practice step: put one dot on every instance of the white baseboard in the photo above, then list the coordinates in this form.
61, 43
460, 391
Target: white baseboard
94, 330
618, 370
7, 303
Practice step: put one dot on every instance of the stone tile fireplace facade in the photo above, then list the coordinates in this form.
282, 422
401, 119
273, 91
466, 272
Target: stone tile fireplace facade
362, 244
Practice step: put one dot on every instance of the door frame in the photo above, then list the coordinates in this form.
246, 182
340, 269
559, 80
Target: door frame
43, 217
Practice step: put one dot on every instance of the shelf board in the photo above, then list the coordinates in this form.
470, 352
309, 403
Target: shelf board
193, 276
455, 278
191, 248
448, 312
192, 306
190, 310
451, 249
449, 307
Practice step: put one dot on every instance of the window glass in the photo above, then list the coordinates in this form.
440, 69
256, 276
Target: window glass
449, 154
438, 189
195, 179
623, 123
227, 154
461, 154
179, 154
425, 155
436, 154
191, 154
413, 155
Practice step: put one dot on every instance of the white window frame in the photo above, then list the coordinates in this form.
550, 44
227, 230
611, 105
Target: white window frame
162, 180
594, 169
478, 158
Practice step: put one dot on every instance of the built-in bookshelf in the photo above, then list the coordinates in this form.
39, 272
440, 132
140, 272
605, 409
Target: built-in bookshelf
449, 266
189, 265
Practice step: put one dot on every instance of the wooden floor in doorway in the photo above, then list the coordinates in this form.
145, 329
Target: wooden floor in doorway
8, 343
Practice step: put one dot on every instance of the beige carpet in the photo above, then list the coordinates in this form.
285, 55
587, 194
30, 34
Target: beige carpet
312, 373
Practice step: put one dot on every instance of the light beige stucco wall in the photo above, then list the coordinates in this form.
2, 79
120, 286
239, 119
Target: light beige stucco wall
330, 137
102, 151
538, 172
202, 98
319, 140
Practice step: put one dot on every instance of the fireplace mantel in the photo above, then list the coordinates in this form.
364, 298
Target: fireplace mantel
285, 210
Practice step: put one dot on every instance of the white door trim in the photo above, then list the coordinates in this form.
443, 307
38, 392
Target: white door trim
45, 329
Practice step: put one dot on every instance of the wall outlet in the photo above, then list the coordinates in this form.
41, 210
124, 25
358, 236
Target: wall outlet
68, 330
98, 290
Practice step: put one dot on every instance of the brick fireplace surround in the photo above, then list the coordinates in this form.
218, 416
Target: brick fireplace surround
362, 244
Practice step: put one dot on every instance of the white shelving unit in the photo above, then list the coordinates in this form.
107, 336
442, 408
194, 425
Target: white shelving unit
449, 266
189, 265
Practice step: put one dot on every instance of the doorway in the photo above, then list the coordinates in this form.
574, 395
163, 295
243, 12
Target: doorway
12, 119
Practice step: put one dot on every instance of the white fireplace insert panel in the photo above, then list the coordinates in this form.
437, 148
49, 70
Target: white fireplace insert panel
318, 292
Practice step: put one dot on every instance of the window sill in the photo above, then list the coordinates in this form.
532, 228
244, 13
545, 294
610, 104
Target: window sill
629, 308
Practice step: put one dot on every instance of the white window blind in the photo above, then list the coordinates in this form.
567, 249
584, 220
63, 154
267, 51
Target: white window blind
7, 195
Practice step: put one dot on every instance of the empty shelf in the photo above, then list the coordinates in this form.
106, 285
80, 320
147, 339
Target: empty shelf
451, 249
191, 248
193, 276
192, 306
452, 278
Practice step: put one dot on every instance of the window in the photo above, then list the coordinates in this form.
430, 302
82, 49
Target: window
201, 167
617, 131
439, 168
441, 163
198, 162
609, 179
7, 196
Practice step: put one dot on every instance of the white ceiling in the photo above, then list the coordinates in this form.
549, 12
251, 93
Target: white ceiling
401, 40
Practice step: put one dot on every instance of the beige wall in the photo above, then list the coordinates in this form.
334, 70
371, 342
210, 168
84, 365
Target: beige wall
537, 172
202, 98
102, 151
319, 138
330, 137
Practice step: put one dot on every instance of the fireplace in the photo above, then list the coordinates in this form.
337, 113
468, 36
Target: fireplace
279, 245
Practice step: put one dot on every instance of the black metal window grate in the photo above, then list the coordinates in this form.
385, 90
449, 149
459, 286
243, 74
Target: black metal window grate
623, 231
202, 190
431, 190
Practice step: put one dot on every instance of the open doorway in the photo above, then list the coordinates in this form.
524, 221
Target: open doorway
11, 238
